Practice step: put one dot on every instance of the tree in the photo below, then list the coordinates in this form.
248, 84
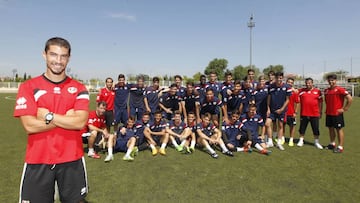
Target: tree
196, 76
275, 68
239, 72
25, 76
218, 66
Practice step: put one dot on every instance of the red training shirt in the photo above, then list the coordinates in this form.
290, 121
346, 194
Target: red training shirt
107, 96
57, 145
334, 99
309, 102
294, 98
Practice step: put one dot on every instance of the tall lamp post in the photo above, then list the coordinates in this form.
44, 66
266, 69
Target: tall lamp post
251, 24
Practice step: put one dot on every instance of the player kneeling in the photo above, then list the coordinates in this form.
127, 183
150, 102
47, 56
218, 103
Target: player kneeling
250, 123
210, 135
124, 142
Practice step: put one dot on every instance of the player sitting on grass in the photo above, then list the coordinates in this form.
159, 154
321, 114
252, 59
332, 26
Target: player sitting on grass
140, 126
231, 133
210, 135
191, 140
250, 123
125, 142
96, 128
178, 131
155, 133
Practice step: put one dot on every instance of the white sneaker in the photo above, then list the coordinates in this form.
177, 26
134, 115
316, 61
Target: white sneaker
317, 145
280, 146
300, 143
269, 144
109, 158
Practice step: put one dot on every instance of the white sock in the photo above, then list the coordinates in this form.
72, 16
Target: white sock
210, 149
91, 151
270, 141
258, 147
239, 149
192, 144
152, 146
223, 147
317, 141
163, 145
291, 139
183, 143
128, 152
175, 143
110, 151
301, 139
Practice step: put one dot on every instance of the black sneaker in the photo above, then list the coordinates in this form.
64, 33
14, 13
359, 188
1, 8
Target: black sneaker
214, 155
228, 153
330, 146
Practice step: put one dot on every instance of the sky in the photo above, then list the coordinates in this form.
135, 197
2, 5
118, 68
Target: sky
168, 37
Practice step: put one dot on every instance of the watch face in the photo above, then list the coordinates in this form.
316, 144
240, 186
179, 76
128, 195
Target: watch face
49, 116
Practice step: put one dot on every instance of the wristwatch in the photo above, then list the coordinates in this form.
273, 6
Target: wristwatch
49, 117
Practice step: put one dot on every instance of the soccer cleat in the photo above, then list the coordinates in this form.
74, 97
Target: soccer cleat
317, 145
162, 151
192, 149
187, 150
179, 148
280, 146
338, 150
265, 152
214, 155
300, 143
128, 158
291, 143
108, 158
228, 153
331, 146
154, 152
94, 155
269, 144
248, 149
134, 152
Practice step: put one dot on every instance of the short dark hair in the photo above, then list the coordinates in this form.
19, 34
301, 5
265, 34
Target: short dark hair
101, 103
307, 79
156, 79
121, 76
277, 74
109, 78
271, 73
58, 41
157, 112
178, 76
290, 78
190, 83
227, 73
331, 77
173, 85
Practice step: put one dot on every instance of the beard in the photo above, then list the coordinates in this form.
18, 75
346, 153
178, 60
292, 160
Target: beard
57, 68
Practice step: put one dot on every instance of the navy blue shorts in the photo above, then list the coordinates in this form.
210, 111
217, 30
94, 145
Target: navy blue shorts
121, 146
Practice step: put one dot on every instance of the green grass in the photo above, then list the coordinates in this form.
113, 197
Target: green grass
294, 175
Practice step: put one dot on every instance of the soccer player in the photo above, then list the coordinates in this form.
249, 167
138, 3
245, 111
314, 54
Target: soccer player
210, 135
227, 85
151, 99
191, 140
96, 128
213, 84
251, 77
248, 95
231, 133
250, 123
190, 101
291, 112
155, 133
140, 126
211, 105
107, 94
334, 99
53, 109
233, 101
136, 101
260, 96
178, 131
277, 101
121, 110
170, 102
201, 87
123, 142
311, 108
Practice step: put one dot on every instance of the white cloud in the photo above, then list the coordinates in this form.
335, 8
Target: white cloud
122, 16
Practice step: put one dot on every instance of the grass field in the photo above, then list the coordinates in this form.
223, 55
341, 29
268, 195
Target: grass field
294, 175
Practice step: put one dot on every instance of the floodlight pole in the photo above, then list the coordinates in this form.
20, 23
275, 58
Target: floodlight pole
251, 24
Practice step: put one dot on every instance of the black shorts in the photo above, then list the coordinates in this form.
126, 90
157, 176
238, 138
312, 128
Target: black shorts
314, 121
335, 121
291, 121
109, 118
38, 182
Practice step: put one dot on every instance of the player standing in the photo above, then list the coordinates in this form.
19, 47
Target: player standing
334, 99
53, 109
107, 94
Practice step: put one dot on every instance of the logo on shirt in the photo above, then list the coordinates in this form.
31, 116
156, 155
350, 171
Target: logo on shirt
21, 103
57, 90
72, 90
